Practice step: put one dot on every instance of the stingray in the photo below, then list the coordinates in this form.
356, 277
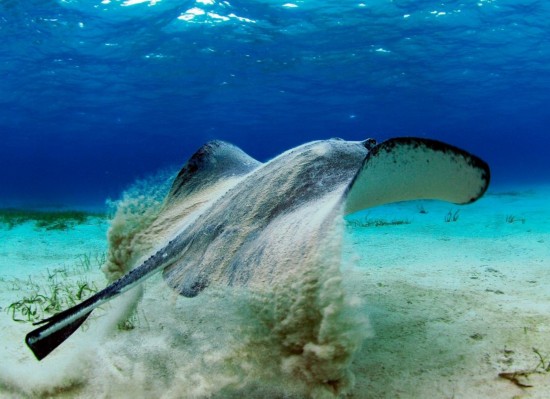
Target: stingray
240, 223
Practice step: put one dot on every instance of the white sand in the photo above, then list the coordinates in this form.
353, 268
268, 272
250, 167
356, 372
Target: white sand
451, 305
455, 304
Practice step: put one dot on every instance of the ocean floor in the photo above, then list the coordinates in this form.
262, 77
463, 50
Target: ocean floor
455, 303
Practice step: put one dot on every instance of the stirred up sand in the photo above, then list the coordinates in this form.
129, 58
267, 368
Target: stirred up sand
443, 309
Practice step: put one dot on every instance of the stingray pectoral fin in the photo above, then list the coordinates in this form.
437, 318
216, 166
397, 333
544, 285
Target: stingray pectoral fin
408, 168
214, 161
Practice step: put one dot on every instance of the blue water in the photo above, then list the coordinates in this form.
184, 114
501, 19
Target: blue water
94, 94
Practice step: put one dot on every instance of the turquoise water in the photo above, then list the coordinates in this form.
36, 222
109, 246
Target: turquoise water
424, 299
98, 93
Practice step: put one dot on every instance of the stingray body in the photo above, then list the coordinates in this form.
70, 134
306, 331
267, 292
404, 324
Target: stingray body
263, 227
240, 223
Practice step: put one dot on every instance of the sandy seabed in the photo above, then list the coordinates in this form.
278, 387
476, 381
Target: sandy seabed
451, 306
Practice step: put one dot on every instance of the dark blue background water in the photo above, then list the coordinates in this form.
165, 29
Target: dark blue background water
94, 94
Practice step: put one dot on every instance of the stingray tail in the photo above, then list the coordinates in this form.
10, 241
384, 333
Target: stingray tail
59, 327
45, 339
